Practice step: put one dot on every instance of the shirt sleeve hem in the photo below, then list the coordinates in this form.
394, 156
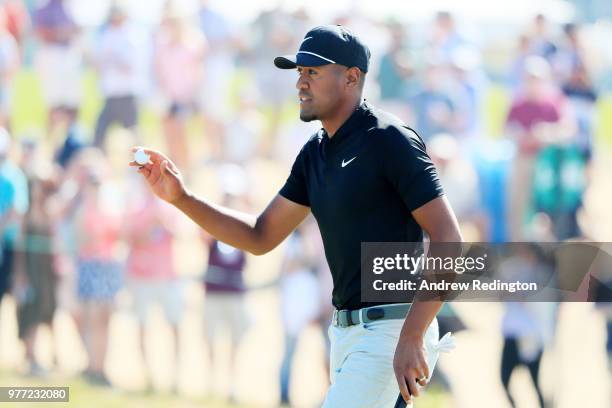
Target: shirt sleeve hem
424, 200
293, 198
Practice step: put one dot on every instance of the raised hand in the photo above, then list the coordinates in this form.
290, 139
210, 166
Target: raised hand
161, 175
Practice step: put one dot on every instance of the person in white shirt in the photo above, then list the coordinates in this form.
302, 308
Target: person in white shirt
118, 57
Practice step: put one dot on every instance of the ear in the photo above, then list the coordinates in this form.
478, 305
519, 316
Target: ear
353, 76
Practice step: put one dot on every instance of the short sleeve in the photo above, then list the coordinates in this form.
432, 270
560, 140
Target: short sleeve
408, 167
295, 188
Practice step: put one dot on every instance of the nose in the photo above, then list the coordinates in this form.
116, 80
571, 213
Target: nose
302, 83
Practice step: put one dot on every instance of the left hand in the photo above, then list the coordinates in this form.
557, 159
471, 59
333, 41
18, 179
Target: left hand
410, 365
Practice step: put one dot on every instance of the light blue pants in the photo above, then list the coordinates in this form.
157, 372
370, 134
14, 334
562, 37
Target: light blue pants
361, 363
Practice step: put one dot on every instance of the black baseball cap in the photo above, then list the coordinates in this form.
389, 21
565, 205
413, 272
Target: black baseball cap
328, 44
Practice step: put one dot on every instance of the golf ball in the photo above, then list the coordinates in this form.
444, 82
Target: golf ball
141, 157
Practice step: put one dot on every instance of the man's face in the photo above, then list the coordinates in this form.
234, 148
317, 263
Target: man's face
321, 90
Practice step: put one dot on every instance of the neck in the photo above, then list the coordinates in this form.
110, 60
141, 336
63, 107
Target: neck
332, 125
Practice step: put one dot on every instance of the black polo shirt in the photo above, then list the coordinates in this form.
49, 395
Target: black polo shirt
362, 185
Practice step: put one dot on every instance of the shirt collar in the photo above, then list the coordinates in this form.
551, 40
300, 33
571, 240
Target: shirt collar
349, 125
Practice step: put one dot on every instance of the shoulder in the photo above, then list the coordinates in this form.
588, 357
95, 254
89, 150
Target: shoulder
391, 133
312, 144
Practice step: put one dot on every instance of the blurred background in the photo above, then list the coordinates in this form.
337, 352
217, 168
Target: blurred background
108, 290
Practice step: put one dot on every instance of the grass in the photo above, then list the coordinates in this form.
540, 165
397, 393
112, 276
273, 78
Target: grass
29, 110
83, 394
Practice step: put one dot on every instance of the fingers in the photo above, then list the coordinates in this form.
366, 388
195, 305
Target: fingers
136, 164
165, 168
145, 172
155, 175
422, 371
412, 386
401, 382
409, 384
173, 168
422, 374
425, 368
154, 155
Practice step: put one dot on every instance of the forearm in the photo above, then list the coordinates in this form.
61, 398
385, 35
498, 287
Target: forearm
440, 223
232, 227
420, 317
426, 304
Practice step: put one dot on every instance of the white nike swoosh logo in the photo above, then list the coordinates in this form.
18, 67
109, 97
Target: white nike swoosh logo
344, 164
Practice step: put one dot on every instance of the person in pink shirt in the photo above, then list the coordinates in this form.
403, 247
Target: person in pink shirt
99, 272
152, 278
534, 120
179, 52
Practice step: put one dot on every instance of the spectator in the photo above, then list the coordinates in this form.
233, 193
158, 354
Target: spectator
530, 124
119, 54
36, 283
445, 37
179, 51
273, 34
396, 74
18, 19
99, 273
541, 43
243, 134
9, 65
460, 181
74, 140
58, 59
223, 280
577, 85
218, 72
468, 86
493, 161
14, 203
299, 289
434, 107
149, 225
527, 327
516, 74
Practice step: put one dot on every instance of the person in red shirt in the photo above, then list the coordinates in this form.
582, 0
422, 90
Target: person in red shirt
150, 268
100, 275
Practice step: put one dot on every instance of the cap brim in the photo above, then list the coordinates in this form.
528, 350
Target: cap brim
304, 60
285, 62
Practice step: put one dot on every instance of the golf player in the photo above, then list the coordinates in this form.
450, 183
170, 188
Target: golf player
366, 177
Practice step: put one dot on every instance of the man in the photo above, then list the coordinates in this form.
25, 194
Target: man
366, 178
120, 54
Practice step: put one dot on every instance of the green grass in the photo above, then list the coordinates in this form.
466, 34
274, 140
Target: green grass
30, 113
83, 394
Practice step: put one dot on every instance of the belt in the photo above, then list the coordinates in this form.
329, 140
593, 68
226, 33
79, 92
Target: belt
346, 318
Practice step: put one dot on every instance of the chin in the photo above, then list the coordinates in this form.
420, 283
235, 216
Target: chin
308, 117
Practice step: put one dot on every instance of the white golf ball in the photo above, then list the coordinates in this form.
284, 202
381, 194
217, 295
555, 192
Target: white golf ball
141, 157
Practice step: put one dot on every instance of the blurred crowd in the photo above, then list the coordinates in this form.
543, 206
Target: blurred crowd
72, 237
